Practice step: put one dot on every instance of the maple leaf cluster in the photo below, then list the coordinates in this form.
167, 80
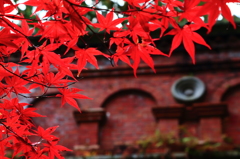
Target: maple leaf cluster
65, 23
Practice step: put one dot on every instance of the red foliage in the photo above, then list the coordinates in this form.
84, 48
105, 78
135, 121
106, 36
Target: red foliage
65, 23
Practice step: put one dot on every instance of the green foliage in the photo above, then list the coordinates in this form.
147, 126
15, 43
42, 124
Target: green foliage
187, 143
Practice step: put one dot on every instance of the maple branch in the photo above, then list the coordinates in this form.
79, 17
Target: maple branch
110, 53
19, 137
41, 96
80, 17
33, 76
85, 44
115, 11
31, 81
17, 17
26, 37
3, 96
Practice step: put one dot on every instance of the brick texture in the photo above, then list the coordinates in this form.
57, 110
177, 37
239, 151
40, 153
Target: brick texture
210, 129
169, 126
128, 101
129, 119
88, 133
232, 123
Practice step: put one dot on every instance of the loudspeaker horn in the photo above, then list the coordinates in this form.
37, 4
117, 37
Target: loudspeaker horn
188, 89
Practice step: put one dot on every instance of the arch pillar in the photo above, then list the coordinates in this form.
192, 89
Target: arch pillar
88, 121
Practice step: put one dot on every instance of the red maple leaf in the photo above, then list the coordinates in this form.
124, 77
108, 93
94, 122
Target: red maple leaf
68, 95
54, 7
26, 114
172, 3
107, 23
58, 31
47, 134
187, 36
119, 55
4, 144
189, 11
213, 8
7, 8
12, 122
86, 55
137, 3
54, 150
44, 56
57, 79
6, 38
76, 16
22, 41
16, 84
138, 52
21, 145
134, 31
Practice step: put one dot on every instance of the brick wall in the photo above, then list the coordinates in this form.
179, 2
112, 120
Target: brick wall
128, 100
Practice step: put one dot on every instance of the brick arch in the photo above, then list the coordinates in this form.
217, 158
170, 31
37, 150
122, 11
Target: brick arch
129, 90
229, 92
221, 91
132, 86
129, 118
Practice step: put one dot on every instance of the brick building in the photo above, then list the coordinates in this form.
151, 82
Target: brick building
125, 109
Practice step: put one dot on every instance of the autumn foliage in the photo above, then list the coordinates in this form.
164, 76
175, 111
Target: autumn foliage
66, 22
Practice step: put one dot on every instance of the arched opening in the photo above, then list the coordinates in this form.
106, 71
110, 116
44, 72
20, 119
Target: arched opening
129, 118
231, 123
